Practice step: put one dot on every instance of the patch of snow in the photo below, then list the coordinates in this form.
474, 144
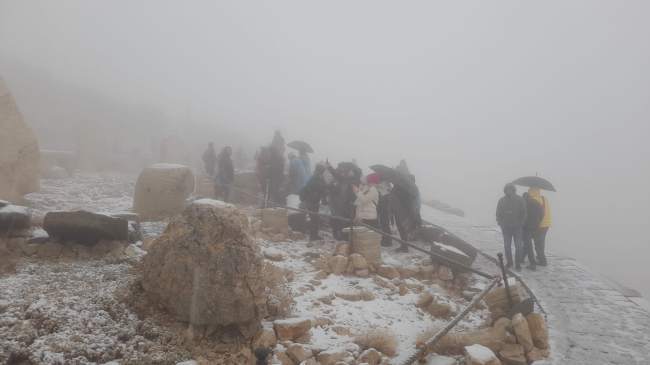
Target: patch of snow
213, 202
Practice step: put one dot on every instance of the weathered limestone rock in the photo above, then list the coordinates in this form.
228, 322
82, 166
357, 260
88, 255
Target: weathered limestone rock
341, 330
264, 337
442, 360
84, 227
534, 355
388, 272
438, 307
522, 331
161, 190
409, 272
480, 355
538, 330
358, 261
206, 269
272, 254
331, 356
31, 249
445, 273
14, 218
513, 354
288, 329
367, 296
19, 152
173, 151
304, 339
338, 264
452, 253
370, 357
351, 295
299, 353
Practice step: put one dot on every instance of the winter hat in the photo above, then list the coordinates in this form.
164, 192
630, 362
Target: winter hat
320, 168
373, 179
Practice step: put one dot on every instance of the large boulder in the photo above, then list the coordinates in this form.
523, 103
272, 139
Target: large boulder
161, 190
85, 228
207, 270
14, 217
173, 151
18, 151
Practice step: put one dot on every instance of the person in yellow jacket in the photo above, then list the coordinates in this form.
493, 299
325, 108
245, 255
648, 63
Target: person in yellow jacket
540, 238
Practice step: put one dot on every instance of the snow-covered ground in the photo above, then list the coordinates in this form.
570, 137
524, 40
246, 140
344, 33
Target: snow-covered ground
92, 311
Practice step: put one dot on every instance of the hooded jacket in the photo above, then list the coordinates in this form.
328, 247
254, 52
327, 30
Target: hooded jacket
511, 210
297, 176
535, 194
535, 214
367, 200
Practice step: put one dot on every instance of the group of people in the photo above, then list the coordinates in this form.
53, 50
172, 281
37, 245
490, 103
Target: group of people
525, 220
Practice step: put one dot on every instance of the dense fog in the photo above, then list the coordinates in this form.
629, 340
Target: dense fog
471, 95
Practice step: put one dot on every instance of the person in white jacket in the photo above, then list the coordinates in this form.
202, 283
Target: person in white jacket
367, 200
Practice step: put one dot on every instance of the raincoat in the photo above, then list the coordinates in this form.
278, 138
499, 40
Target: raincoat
535, 194
297, 176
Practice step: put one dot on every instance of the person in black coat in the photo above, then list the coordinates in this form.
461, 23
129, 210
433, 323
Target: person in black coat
276, 175
226, 173
210, 160
531, 227
312, 194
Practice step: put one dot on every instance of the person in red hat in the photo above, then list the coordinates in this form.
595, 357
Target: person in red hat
367, 200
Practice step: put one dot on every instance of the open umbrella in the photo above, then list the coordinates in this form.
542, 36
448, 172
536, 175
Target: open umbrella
397, 178
300, 145
534, 182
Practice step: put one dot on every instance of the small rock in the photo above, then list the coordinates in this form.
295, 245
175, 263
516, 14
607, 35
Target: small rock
351, 295
402, 290
338, 264
480, 355
342, 248
39, 236
321, 275
367, 295
299, 353
341, 331
370, 357
362, 273
331, 357
380, 281
30, 249
522, 331
273, 254
315, 282
534, 355
358, 261
426, 262
424, 299
50, 249
545, 352
467, 295
288, 329
322, 265
510, 338
445, 273
388, 272
409, 272
538, 330
325, 299
323, 321
438, 307
304, 339
513, 354
426, 271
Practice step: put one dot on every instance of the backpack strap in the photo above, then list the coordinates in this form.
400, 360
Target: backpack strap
543, 207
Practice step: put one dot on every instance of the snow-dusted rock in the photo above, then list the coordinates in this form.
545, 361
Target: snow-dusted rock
445, 273
14, 217
424, 299
367, 295
84, 227
409, 272
388, 272
370, 357
161, 190
210, 241
341, 330
358, 261
351, 295
331, 356
338, 264
50, 249
273, 254
427, 271
288, 329
534, 355
438, 307
299, 353
480, 355
19, 154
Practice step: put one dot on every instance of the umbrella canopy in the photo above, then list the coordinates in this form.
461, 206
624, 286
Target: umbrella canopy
397, 178
534, 182
300, 145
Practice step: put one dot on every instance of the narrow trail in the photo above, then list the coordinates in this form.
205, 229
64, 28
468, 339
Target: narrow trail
590, 321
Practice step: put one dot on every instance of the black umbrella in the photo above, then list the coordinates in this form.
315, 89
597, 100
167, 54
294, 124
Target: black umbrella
534, 182
398, 178
300, 145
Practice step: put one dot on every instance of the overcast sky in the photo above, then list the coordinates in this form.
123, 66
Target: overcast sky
471, 94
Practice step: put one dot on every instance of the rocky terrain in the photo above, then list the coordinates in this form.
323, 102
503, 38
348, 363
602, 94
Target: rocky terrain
62, 302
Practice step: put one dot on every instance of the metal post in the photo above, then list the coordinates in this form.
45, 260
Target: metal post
266, 195
505, 279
